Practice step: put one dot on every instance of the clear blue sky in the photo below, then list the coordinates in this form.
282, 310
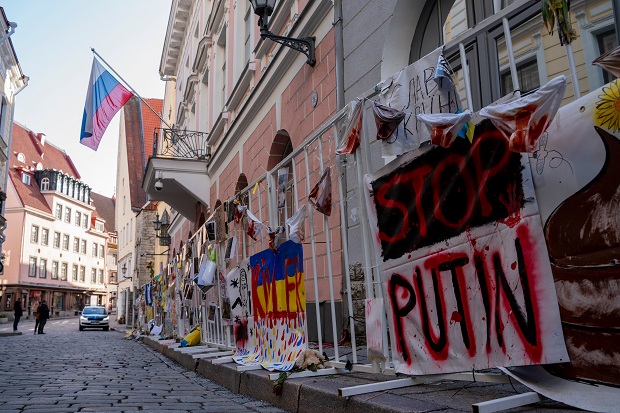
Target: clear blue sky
53, 41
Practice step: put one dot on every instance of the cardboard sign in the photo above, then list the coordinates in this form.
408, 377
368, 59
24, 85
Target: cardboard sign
465, 270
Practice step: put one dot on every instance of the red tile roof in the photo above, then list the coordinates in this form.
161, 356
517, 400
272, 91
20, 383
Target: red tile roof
105, 209
140, 124
36, 149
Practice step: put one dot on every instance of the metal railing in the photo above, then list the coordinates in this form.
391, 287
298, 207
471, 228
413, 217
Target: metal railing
180, 143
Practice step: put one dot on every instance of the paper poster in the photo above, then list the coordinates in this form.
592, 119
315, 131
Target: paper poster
374, 328
282, 182
279, 305
576, 171
414, 90
239, 293
465, 270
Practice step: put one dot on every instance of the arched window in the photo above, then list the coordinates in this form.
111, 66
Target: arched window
21, 157
39, 166
45, 184
280, 149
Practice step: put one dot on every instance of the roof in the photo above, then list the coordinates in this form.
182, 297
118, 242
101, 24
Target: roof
36, 150
139, 143
104, 208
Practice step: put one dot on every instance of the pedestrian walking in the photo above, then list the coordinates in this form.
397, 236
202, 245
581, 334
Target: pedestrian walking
36, 318
44, 314
17, 307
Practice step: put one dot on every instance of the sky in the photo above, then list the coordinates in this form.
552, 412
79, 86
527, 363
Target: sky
53, 42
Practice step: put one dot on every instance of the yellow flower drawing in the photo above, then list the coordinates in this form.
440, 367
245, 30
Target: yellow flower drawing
607, 112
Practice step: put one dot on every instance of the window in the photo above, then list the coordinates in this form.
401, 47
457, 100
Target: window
606, 42
65, 242
76, 245
21, 157
45, 236
82, 274
527, 73
63, 271
74, 272
45, 184
114, 260
100, 279
99, 226
78, 218
56, 239
67, 215
59, 211
101, 251
95, 246
34, 234
55, 270
93, 276
85, 221
43, 268
26, 178
32, 267
83, 248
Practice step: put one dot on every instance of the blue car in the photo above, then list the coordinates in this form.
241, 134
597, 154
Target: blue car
94, 317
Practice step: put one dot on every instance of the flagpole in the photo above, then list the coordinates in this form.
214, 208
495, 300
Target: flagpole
130, 88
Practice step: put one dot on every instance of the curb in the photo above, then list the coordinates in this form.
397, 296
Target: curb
299, 395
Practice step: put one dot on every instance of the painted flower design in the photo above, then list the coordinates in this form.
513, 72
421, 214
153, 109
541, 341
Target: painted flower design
607, 113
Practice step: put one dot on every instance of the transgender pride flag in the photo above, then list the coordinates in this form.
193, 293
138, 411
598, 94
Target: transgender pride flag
104, 98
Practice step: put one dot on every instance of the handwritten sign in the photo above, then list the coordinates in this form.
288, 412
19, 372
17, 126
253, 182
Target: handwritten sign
414, 90
465, 270
279, 305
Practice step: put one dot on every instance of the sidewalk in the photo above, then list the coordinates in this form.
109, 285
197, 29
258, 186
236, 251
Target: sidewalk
321, 393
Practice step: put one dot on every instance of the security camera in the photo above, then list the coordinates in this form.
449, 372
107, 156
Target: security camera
159, 185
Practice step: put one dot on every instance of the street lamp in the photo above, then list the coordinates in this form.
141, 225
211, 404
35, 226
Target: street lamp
161, 227
263, 9
124, 269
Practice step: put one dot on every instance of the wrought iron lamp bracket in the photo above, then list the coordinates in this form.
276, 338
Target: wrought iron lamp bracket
303, 45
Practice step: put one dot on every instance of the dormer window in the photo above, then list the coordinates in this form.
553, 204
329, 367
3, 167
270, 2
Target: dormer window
25, 178
39, 166
45, 184
21, 157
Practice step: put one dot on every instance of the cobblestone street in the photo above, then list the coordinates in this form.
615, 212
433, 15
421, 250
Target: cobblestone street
66, 370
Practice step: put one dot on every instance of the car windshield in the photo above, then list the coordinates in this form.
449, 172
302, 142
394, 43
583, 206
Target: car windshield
93, 310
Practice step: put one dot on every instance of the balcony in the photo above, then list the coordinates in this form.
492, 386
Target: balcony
176, 173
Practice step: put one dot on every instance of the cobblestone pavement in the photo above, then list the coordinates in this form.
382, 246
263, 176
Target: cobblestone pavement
66, 370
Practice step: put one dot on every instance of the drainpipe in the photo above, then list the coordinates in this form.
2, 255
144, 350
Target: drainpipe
341, 165
25, 80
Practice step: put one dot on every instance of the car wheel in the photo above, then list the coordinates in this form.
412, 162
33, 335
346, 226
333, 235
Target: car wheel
81, 328
106, 328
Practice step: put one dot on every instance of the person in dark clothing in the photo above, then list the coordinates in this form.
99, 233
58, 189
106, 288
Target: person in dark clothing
36, 318
44, 314
18, 313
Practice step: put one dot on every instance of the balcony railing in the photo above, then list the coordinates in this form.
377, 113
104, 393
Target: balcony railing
178, 143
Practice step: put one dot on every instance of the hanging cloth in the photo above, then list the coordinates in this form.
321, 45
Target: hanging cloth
322, 201
254, 226
523, 121
444, 127
387, 119
296, 225
275, 237
609, 61
239, 212
351, 138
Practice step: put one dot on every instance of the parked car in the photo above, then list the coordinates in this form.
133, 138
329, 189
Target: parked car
94, 317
